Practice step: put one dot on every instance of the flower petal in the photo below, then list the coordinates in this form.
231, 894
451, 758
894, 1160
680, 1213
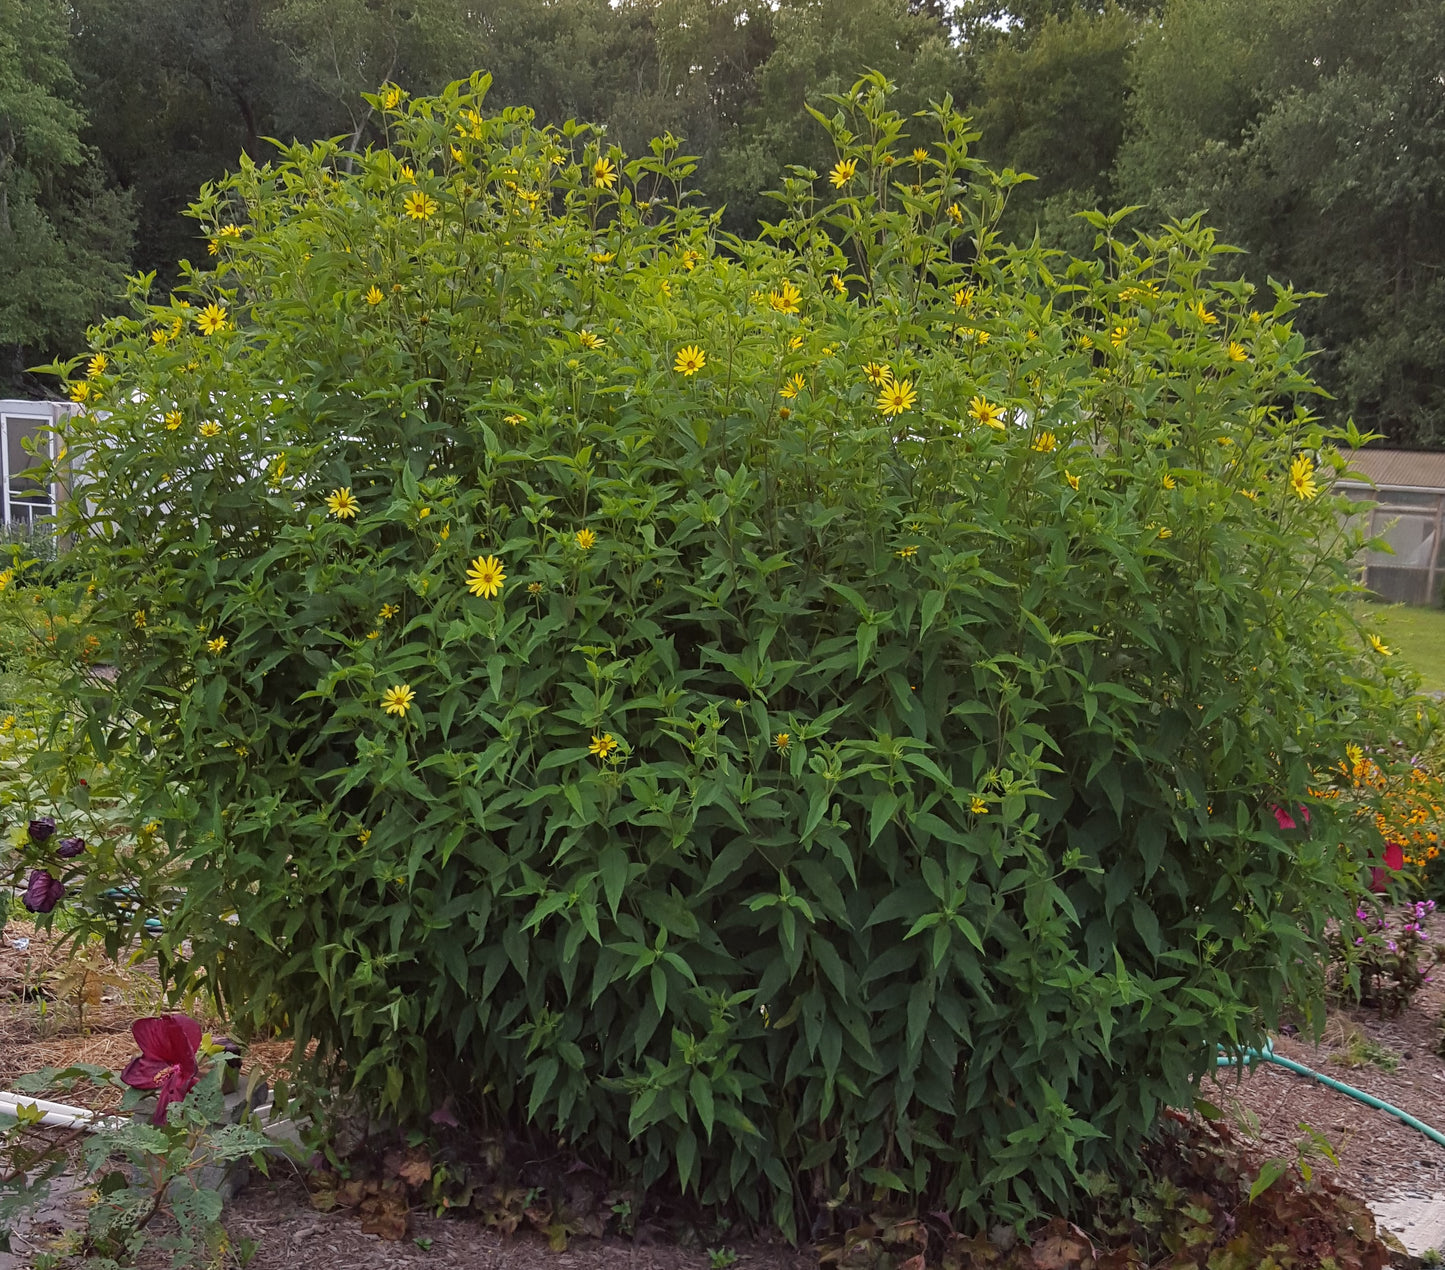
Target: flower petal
142, 1072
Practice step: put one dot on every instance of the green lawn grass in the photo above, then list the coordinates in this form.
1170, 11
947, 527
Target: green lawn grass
1415, 635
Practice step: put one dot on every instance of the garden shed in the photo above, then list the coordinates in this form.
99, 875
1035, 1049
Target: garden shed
1408, 488
23, 501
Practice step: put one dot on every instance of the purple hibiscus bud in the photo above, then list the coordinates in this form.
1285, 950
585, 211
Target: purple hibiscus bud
41, 828
43, 892
69, 848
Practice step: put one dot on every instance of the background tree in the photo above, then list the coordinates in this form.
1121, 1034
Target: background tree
1315, 135
1053, 104
65, 238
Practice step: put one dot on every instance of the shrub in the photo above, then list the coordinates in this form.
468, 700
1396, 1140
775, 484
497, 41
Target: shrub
795, 719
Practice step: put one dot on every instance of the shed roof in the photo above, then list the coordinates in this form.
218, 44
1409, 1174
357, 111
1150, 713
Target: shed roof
1400, 469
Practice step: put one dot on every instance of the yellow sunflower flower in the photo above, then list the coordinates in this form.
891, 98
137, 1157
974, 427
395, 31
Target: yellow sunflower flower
843, 172
217, 645
485, 577
374, 295
1072, 479
1380, 646
986, 413
210, 429
588, 340
1302, 478
877, 374
604, 174
1045, 442
602, 746
585, 539
96, 366
419, 205
212, 319
786, 299
792, 387
173, 420
1237, 353
341, 503
897, 396
397, 699
690, 360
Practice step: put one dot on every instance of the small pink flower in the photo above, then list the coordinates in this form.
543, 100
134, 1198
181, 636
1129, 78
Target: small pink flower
1394, 856
1286, 821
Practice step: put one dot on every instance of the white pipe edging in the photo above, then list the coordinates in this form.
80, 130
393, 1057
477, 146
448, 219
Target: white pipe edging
57, 1114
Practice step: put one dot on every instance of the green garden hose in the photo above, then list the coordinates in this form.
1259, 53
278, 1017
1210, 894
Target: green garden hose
1267, 1055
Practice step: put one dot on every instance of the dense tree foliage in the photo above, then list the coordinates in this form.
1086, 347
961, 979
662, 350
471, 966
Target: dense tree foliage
1311, 133
64, 237
1315, 134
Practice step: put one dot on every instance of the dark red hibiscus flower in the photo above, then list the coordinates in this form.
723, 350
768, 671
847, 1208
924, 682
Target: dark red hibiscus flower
1394, 861
167, 1060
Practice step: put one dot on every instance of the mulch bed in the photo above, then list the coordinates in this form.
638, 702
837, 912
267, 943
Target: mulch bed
1380, 1157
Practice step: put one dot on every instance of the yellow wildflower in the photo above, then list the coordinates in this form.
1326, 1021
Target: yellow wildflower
690, 360
843, 172
485, 577
212, 319
588, 340
782, 741
1203, 314
388, 611
1072, 479
602, 746
792, 387
210, 429
986, 413
342, 505
877, 374
1302, 478
585, 539
514, 419
374, 295
397, 699
217, 645
419, 205
1237, 353
977, 805
1045, 442
604, 174
897, 396
1380, 646
1167, 481
786, 299
173, 420
96, 366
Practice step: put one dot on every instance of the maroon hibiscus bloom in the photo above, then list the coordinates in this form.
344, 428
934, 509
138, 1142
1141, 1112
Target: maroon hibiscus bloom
41, 828
43, 892
69, 848
1394, 861
167, 1060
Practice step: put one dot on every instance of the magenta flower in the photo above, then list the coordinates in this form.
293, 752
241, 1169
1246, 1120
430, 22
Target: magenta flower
1286, 821
69, 848
41, 828
167, 1060
1394, 856
43, 892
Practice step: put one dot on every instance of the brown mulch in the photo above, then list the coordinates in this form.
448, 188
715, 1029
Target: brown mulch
290, 1233
1380, 1157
